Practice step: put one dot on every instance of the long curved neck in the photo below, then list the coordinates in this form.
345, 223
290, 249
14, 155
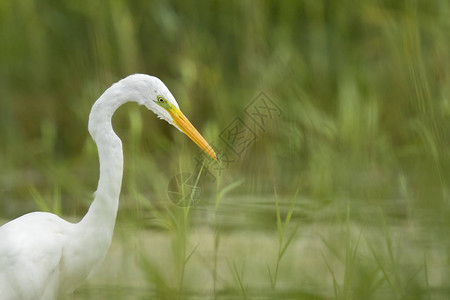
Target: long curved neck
91, 237
103, 210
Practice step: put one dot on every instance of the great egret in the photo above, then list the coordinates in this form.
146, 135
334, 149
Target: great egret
42, 255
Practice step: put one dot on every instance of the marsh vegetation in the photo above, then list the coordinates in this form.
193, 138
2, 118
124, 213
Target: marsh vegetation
337, 187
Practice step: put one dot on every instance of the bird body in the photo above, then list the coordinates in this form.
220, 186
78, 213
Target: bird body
42, 255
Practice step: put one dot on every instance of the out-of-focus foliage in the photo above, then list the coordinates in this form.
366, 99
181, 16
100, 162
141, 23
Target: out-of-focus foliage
363, 88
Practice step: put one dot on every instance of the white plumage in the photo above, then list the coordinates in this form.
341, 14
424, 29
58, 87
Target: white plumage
42, 255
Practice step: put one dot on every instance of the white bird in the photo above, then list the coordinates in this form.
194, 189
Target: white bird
43, 256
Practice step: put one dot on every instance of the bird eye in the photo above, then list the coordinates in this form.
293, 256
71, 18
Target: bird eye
161, 99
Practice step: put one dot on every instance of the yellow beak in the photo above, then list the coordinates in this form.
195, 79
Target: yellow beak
183, 123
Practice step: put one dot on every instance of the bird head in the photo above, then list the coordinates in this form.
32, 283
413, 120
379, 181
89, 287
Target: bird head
157, 98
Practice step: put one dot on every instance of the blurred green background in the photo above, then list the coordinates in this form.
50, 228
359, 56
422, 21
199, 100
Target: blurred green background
343, 194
